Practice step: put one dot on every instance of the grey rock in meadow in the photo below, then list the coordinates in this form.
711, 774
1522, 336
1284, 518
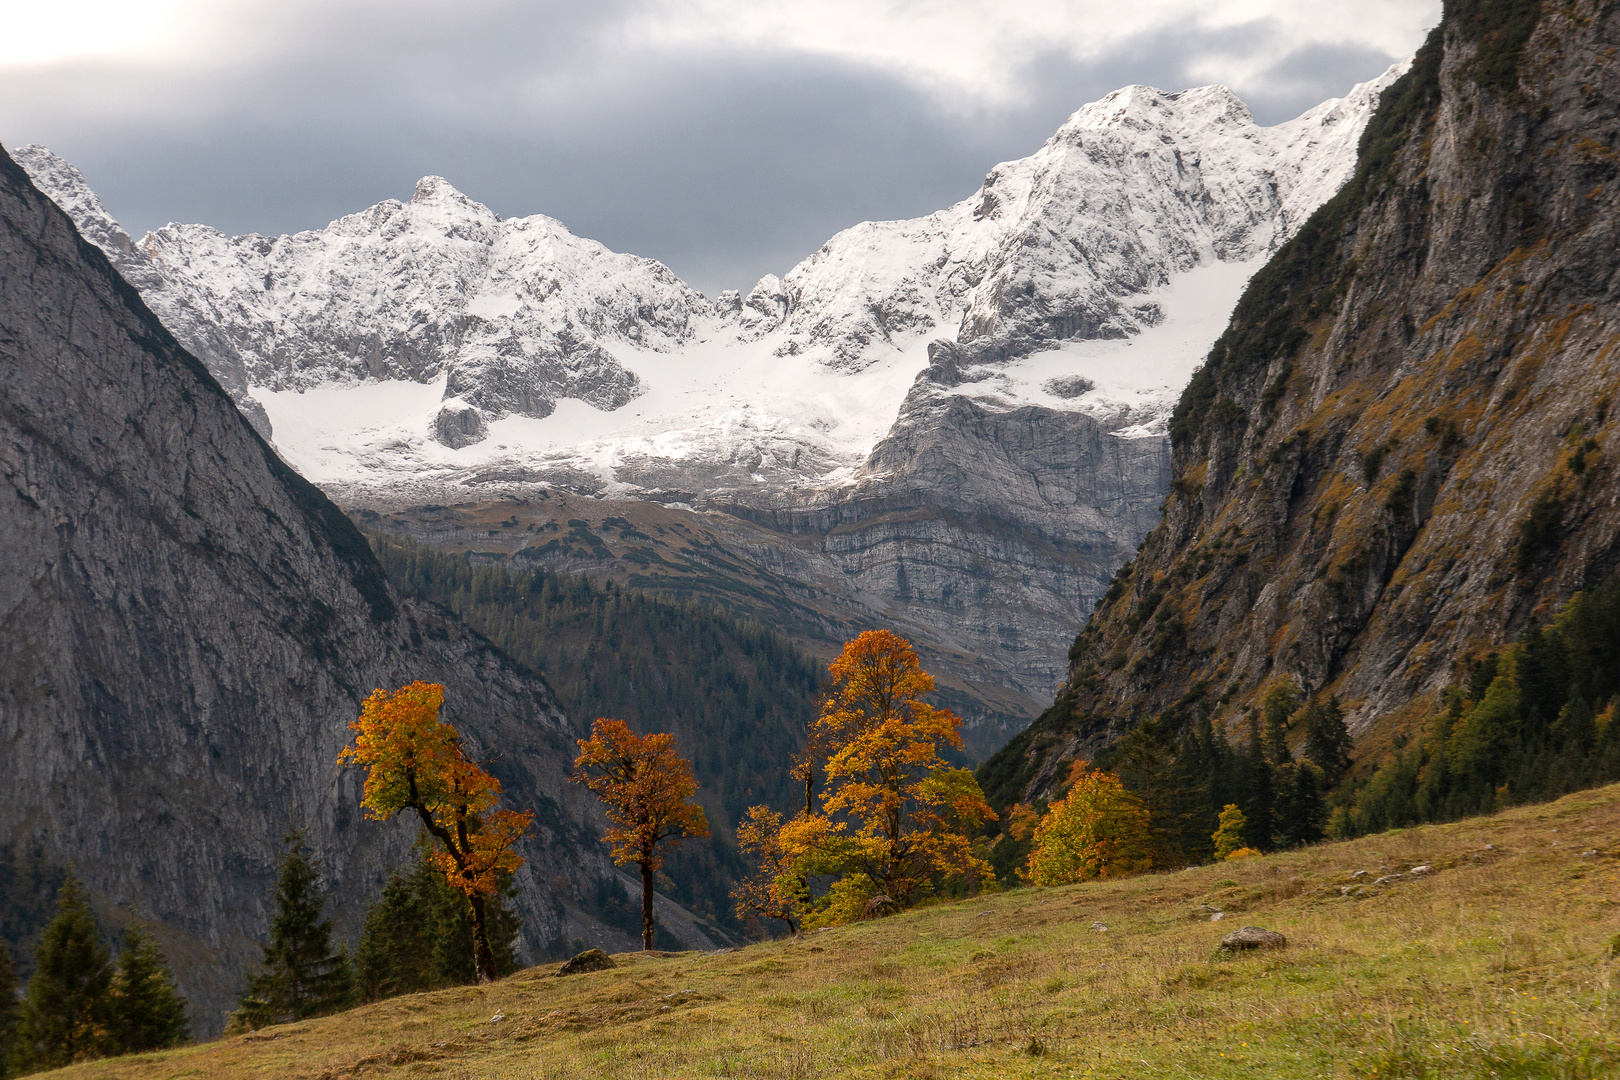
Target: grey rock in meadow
589, 960
1253, 937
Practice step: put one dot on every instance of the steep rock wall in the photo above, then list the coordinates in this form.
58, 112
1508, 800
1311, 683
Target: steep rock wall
187, 626
1403, 446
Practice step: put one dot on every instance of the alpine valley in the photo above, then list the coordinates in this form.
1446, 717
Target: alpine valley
954, 425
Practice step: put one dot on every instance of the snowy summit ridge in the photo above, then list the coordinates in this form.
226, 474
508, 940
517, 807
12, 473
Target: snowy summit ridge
434, 340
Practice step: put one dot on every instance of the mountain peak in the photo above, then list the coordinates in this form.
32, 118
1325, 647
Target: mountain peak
1140, 107
437, 191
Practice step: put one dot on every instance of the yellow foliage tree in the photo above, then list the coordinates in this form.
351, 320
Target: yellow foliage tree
1098, 830
415, 761
1229, 833
776, 889
895, 819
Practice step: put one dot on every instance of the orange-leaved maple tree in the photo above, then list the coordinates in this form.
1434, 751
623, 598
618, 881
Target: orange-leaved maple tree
645, 785
777, 889
896, 820
415, 761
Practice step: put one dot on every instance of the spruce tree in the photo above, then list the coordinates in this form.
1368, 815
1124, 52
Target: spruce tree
10, 1012
1301, 804
418, 934
146, 1010
1278, 706
1259, 804
65, 1012
394, 943
1327, 740
303, 975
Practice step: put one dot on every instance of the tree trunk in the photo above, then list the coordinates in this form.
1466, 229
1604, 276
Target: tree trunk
483, 955
648, 929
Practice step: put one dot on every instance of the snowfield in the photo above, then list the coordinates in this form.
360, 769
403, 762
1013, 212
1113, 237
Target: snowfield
434, 343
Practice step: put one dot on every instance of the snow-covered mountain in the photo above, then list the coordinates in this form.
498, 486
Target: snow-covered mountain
1070, 242
968, 409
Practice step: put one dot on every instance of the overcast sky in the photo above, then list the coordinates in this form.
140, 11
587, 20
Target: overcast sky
727, 138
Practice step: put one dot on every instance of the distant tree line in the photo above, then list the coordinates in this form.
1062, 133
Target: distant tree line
1527, 723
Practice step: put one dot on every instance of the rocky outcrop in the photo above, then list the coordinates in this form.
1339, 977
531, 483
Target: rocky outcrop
1402, 448
187, 626
190, 323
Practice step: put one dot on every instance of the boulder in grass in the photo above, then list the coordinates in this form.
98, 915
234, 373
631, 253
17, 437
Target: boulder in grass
1253, 937
878, 907
589, 960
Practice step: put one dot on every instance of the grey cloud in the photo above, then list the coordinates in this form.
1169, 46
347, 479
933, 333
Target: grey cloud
725, 165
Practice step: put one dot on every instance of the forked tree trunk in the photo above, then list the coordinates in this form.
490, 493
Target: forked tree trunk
648, 928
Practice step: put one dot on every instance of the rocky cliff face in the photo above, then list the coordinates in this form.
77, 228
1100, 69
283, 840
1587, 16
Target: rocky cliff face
1401, 449
955, 423
191, 324
187, 626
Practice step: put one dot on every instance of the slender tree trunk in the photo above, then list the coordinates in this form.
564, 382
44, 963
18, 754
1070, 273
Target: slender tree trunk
483, 955
648, 928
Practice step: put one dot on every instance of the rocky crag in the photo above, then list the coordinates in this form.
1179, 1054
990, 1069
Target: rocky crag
1402, 449
187, 626
954, 424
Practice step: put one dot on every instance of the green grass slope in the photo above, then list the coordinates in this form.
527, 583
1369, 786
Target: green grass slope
1498, 962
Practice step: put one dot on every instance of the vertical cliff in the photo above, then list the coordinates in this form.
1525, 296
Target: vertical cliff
1402, 448
187, 626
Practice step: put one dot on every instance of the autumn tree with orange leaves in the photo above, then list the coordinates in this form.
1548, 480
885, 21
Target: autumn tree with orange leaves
415, 761
644, 784
777, 889
896, 820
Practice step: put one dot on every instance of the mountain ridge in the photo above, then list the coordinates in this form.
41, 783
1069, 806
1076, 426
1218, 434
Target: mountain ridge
189, 628
985, 487
1398, 454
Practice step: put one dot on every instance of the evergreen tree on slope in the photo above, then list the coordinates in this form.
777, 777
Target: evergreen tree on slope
146, 1011
1327, 740
10, 1012
303, 975
65, 1013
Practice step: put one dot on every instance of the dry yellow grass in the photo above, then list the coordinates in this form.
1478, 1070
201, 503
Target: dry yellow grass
1496, 963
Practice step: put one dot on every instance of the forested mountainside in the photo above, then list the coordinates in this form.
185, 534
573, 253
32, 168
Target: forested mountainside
1399, 457
738, 698
189, 627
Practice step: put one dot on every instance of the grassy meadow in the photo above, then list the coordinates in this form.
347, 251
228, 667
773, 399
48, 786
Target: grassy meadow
1498, 962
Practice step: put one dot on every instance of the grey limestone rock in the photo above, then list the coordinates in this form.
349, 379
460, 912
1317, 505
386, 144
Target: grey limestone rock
458, 424
187, 628
1253, 937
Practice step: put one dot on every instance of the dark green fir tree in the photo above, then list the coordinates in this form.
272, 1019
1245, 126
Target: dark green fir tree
146, 1011
65, 1012
1327, 740
1259, 803
10, 1013
393, 943
418, 935
1301, 804
302, 975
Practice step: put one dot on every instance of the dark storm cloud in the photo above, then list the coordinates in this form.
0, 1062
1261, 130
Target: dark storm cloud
723, 164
